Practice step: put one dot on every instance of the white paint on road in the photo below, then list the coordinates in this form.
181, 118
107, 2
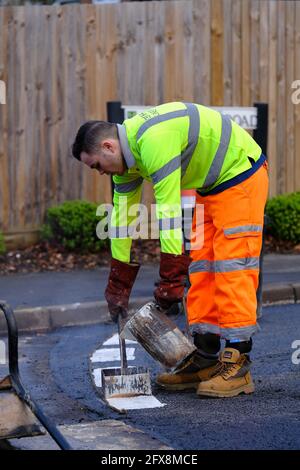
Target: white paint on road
112, 355
114, 341
135, 403
97, 373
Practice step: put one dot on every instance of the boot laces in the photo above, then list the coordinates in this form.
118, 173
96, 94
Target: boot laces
225, 369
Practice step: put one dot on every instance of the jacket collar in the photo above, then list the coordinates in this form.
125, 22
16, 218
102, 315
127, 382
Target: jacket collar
126, 151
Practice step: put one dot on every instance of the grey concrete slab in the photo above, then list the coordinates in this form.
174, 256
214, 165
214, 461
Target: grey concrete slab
107, 434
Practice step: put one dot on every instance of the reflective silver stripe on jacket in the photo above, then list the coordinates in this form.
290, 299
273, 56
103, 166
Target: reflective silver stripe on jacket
229, 265
243, 333
130, 186
193, 137
242, 229
170, 223
166, 170
120, 232
126, 151
202, 328
218, 160
158, 119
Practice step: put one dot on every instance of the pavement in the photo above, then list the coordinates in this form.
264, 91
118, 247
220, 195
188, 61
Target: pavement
48, 300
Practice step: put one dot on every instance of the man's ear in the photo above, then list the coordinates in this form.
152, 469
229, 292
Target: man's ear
108, 145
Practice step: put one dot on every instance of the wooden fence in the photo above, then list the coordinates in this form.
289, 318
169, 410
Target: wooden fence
61, 64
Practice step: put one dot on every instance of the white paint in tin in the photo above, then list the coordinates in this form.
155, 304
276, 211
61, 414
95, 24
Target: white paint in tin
114, 341
112, 355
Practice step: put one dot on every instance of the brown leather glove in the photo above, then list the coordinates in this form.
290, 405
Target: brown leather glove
173, 272
121, 279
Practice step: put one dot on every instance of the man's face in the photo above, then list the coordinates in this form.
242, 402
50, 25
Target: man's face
108, 160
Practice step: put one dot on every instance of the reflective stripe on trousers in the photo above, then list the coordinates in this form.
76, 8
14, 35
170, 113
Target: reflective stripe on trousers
242, 333
235, 264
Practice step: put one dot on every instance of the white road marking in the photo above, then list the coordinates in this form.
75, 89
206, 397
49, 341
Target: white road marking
97, 373
114, 341
111, 355
135, 403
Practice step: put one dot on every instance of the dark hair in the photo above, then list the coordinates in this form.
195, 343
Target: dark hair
89, 135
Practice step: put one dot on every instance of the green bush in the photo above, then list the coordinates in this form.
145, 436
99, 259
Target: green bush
2, 245
73, 224
284, 213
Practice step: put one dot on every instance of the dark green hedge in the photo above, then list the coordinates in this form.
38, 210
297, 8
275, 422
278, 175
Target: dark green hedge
2, 245
284, 214
72, 224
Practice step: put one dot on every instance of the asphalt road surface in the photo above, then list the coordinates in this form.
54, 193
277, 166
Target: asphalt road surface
55, 368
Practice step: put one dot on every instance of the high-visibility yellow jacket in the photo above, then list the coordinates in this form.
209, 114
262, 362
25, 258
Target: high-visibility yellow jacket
177, 146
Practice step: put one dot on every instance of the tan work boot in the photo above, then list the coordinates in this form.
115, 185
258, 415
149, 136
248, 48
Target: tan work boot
185, 381
231, 378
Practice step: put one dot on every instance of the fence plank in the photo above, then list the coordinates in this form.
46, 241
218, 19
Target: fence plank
12, 85
246, 54
20, 120
236, 54
170, 54
281, 98
5, 18
54, 108
272, 96
297, 106
202, 51
187, 52
254, 48
90, 181
61, 112
217, 91
154, 56
290, 74
263, 50
228, 53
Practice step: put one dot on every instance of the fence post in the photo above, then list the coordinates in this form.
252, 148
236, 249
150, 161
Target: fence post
115, 114
260, 134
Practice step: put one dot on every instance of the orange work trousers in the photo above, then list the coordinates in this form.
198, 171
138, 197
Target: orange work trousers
224, 271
